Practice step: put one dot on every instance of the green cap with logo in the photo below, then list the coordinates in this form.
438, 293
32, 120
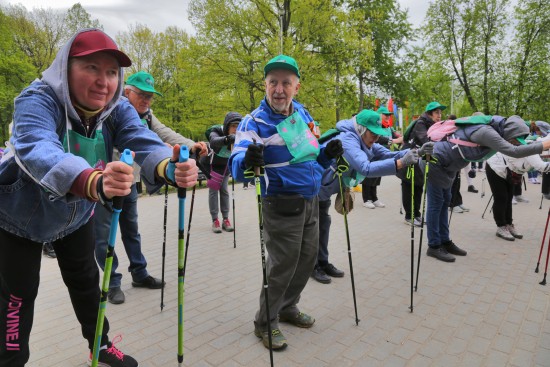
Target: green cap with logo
434, 106
282, 62
143, 81
383, 110
371, 120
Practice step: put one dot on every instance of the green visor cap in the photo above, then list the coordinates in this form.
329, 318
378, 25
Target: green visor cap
143, 81
371, 120
383, 110
434, 106
282, 62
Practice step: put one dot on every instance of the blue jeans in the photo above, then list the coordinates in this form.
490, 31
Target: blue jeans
129, 233
437, 214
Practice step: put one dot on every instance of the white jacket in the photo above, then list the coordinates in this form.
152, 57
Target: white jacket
499, 162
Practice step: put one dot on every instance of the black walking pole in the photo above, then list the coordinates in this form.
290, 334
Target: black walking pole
127, 158
164, 245
543, 238
546, 267
489, 202
541, 198
257, 174
423, 220
343, 167
411, 174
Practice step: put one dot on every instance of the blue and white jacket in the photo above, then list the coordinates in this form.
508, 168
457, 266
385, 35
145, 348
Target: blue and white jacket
280, 178
376, 161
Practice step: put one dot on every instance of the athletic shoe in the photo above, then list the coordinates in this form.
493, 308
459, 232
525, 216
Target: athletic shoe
369, 204
521, 199
514, 201
514, 232
536, 181
278, 340
116, 296
216, 226
379, 204
319, 275
333, 271
457, 209
417, 222
300, 319
453, 249
47, 250
465, 209
472, 188
226, 225
113, 357
440, 253
503, 232
532, 180
149, 282
480, 170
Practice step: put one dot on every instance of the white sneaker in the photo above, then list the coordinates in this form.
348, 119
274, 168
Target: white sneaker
458, 209
521, 199
379, 204
514, 201
503, 232
536, 181
532, 180
417, 222
465, 209
369, 204
513, 231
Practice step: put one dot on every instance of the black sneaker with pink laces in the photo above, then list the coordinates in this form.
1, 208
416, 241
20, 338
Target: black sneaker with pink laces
113, 357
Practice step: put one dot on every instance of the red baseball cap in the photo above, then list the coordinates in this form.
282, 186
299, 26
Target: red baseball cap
89, 42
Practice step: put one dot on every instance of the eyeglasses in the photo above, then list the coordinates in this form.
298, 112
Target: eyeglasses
144, 96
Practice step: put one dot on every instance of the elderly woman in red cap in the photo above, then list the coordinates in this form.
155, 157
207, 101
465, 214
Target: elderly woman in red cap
56, 168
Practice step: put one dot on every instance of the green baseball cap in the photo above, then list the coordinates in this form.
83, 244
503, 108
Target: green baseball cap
282, 62
434, 106
371, 120
143, 81
383, 110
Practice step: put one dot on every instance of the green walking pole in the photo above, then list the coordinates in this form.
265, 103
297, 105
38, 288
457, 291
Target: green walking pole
127, 158
423, 219
182, 193
341, 168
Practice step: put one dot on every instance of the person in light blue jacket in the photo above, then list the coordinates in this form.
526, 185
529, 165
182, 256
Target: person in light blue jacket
365, 158
56, 168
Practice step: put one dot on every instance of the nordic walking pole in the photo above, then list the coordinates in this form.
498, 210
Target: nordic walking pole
257, 174
489, 202
543, 238
423, 220
164, 245
546, 267
411, 171
182, 193
541, 198
343, 167
127, 158
234, 225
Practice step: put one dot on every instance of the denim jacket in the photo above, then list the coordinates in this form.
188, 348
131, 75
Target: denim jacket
36, 173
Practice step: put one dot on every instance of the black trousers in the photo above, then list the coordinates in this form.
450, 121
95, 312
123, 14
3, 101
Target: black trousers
503, 192
19, 279
369, 189
406, 198
456, 198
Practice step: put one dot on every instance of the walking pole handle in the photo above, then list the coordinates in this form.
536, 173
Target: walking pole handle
127, 158
184, 156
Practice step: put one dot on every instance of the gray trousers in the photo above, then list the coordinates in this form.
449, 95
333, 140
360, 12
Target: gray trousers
292, 243
224, 200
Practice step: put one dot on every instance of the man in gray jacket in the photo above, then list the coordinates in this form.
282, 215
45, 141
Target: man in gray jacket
140, 91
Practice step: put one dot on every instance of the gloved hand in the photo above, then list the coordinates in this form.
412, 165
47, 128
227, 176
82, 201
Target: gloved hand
426, 149
229, 139
411, 157
472, 173
254, 156
334, 149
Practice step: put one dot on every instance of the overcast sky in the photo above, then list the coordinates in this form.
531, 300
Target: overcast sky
117, 15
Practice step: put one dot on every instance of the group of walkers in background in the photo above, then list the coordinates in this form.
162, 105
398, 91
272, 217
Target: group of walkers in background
63, 159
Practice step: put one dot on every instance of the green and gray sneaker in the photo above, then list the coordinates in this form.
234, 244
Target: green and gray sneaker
278, 340
300, 319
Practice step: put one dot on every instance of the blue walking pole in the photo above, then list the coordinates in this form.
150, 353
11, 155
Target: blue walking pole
182, 193
127, 158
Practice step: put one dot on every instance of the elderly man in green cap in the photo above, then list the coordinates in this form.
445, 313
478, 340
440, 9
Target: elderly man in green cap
140, 91
415, 137
278, 136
